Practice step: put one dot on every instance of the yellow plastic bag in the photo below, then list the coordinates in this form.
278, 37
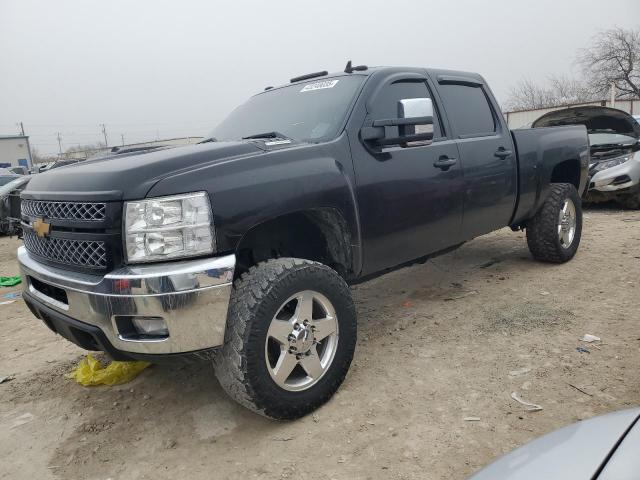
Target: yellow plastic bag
90, 372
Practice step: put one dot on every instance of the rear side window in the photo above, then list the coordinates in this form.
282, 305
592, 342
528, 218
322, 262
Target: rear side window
468, 109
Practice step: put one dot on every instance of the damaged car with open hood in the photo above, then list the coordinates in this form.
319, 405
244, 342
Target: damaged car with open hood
614, 138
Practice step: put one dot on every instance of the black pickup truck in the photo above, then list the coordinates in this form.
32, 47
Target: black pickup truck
241, 249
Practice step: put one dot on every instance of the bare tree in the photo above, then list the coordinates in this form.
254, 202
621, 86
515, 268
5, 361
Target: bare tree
569, 90
557, 91
36, 157
613, 58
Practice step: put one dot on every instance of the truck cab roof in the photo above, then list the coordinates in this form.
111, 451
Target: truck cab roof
370, 71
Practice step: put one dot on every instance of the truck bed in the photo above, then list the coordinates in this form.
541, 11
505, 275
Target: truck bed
539, 150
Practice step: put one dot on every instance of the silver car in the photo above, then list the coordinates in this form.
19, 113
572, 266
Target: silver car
10, 204
614, 137
602, 448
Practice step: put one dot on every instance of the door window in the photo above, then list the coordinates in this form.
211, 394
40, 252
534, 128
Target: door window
468, 110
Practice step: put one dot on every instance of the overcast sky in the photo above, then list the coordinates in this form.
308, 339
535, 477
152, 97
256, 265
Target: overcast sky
150, 68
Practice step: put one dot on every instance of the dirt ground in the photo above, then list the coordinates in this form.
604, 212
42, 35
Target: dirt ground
438, 343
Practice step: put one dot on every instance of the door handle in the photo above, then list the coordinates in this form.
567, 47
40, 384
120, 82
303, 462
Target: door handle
503, 153
445, 162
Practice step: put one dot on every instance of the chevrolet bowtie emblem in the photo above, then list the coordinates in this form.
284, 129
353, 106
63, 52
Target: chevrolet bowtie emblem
41, 227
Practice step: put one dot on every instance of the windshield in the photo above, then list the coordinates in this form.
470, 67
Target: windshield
610, 139
13, 184
310, 112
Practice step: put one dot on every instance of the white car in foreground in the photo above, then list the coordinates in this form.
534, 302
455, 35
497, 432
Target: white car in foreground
602, 448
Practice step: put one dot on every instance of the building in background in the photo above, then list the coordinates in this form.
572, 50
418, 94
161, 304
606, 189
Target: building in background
524, 118
15, 151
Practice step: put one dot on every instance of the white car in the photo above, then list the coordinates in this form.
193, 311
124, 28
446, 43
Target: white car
602, 448
614, 138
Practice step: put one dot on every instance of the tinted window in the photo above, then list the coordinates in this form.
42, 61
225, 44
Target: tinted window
386, 105
468, 109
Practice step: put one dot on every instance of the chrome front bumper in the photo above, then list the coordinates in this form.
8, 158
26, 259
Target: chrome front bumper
191, 296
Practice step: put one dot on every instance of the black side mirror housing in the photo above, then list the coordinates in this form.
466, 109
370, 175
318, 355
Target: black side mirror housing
414, 117
377, 134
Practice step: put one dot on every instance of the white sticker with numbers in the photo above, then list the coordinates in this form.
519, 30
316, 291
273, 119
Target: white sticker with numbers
319, 85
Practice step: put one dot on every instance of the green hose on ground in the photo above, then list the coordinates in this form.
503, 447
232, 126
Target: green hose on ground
10, 281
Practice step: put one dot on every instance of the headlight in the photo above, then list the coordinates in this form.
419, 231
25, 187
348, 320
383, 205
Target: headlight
603, 165
168, 227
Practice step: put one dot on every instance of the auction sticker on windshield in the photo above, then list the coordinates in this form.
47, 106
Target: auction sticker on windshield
319, 85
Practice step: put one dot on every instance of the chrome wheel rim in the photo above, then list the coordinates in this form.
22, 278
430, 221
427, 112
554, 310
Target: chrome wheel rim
567, 223
301, 341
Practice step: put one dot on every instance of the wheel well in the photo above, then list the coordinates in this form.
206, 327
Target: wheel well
319, 234
567, 172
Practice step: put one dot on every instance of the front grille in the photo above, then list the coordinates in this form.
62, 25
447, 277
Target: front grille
79, 253
94, 212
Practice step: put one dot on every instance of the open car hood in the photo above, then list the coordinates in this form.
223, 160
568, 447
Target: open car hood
596, 119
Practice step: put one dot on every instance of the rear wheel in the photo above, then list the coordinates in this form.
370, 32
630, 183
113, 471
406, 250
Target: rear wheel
553, 235
291, 334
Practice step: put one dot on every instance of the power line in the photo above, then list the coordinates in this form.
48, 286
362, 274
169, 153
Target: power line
135, 124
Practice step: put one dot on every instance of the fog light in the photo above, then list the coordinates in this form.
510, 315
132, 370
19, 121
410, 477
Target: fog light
153, 326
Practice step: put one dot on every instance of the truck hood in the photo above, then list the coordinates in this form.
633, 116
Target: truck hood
596, 119
130, 177
576, 452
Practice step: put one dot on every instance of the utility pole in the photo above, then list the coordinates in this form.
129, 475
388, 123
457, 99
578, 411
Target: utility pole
59, 144
122, 135
104, 132
30, 161
613, 95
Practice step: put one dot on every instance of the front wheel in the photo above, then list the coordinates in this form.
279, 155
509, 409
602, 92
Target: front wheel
553, 234
291, 334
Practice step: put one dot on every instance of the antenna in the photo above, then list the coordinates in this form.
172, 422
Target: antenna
358, 68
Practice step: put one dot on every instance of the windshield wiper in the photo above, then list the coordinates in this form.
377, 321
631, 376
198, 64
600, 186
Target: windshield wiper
267, 135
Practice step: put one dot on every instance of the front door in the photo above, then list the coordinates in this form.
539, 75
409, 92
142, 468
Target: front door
409, 196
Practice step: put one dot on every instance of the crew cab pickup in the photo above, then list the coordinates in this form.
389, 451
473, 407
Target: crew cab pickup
241, 248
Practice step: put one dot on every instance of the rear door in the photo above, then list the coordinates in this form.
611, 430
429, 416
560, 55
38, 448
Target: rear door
486, 152
408, 205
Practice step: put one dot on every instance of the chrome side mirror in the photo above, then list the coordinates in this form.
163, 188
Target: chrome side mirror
415, 107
